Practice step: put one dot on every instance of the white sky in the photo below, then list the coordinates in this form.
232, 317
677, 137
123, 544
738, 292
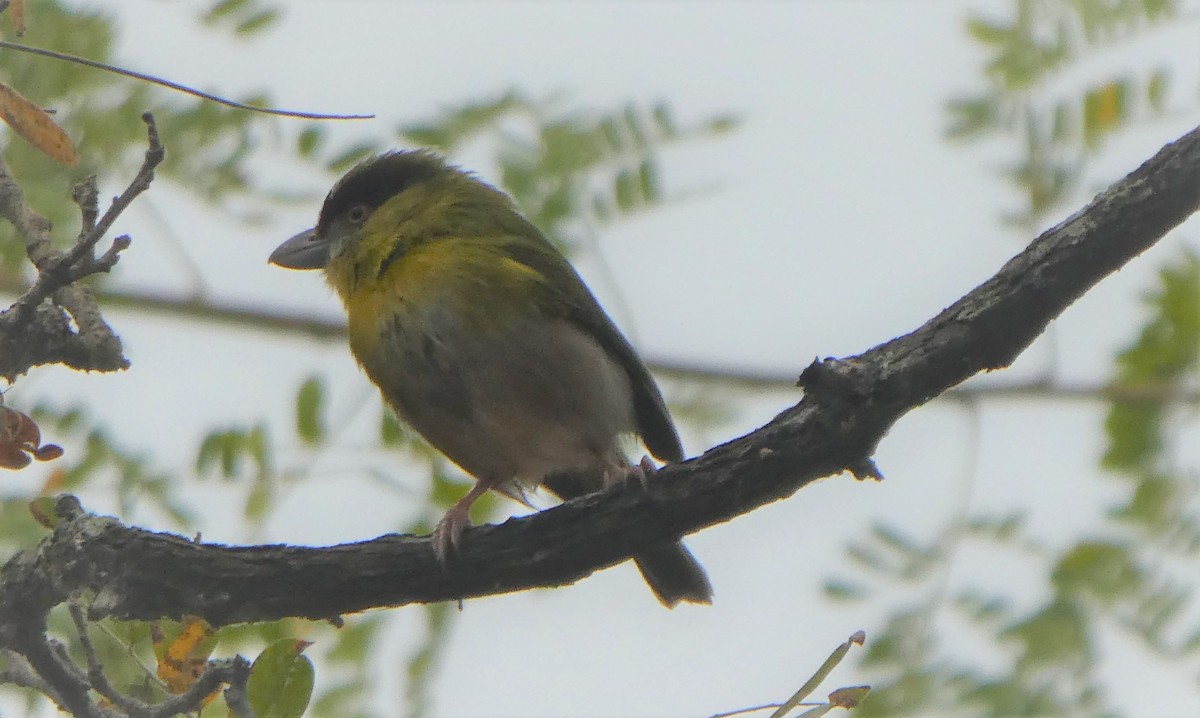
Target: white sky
840, 219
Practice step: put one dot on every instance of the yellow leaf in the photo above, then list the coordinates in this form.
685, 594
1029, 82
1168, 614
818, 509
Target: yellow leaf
31, 122
183, 651
1108, 107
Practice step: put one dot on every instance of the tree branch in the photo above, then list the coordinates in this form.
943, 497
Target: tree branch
200, 309
33, 332
849, 405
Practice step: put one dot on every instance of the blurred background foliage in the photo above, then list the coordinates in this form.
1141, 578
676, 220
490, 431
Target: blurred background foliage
1137, 575
575, 170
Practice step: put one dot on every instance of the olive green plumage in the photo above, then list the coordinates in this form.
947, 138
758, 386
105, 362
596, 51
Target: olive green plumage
484, 339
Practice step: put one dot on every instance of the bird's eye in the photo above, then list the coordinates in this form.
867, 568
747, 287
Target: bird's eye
357, 214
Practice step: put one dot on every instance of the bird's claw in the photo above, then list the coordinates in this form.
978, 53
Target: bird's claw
448, 532
641, 472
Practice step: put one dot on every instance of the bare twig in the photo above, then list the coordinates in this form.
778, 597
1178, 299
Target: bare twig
175, 85
87, 198
744, 711
20, 673
57, 270
233, 672
236, 697
30, 332
95, 670
47, 659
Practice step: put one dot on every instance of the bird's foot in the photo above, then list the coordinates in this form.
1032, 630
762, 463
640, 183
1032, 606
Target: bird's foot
448, 531
641, 472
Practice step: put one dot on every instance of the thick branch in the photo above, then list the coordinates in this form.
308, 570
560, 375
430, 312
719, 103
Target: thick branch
848, 406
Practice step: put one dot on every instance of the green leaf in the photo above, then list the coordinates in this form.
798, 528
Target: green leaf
309, 140
971, 117
625, 190
281, 680
1153, 502
1103, 570
209, 451
310, 406
351, 156
982, 608
721, 124
989, 32
1166, 352
223, 9
1156, 90
257, 22
664, 122
1055, 635
258, 501
1157, 10
632, 120
43, 511
391, 431
256, 445
355, 639
651, 190
843, 591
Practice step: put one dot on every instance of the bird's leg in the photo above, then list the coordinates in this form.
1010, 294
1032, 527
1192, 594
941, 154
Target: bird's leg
623, 473
641, 471
449, 530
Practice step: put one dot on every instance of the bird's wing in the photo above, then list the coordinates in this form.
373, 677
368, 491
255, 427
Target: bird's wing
567, 296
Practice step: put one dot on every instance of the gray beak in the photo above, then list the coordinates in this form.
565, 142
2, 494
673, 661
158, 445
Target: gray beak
305, 250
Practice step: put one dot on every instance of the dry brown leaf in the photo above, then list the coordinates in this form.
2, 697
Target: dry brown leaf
31, 122
16, 9
21, 441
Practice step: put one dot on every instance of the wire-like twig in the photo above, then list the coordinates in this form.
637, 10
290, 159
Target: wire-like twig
176, 86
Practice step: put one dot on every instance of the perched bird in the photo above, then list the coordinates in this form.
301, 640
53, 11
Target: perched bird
482, 337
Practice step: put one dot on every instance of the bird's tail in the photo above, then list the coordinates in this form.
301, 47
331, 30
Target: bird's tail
669, 568
674, 574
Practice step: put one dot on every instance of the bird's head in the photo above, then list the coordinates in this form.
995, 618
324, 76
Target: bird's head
380, 196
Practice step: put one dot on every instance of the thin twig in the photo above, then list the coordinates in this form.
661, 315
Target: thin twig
155, 154
86, 197
49, 663
232, 671
95, 673
235, 672
20, 673
176, 86
59, 271
744, 711
236, 696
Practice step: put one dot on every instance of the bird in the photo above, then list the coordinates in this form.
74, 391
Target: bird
484, 339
